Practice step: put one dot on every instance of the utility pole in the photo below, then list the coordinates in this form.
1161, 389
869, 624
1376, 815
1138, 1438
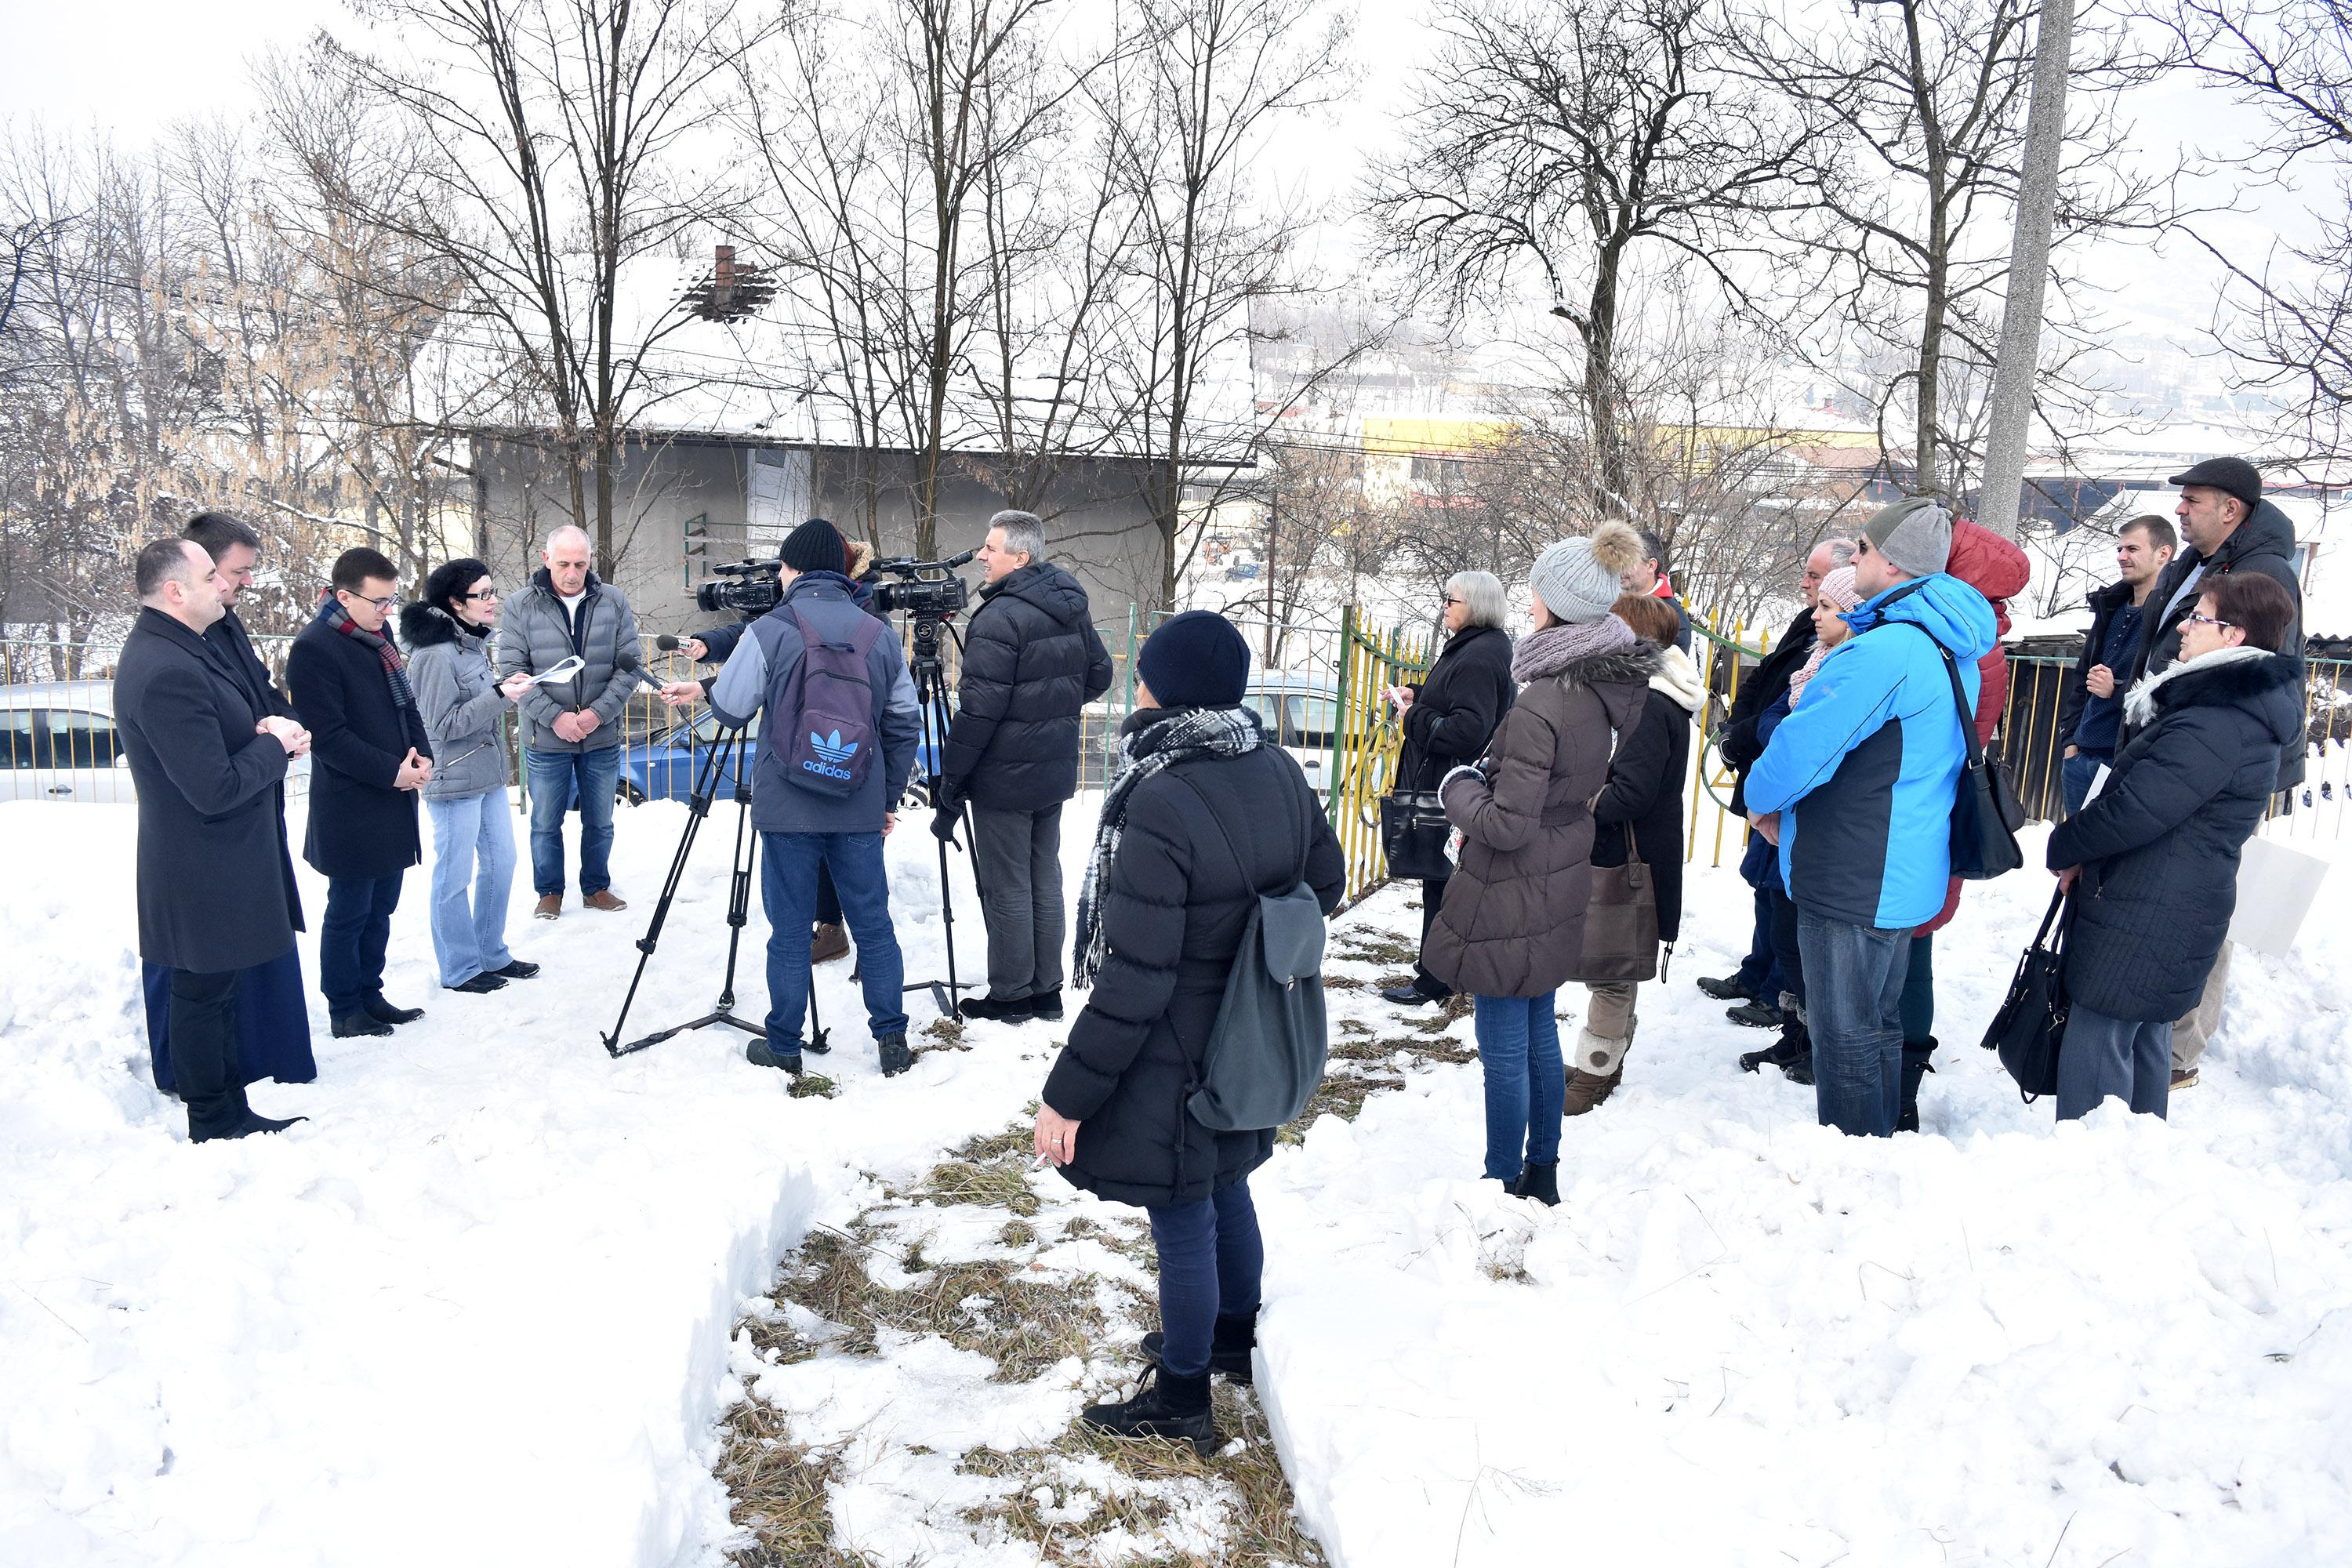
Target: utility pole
2028, 272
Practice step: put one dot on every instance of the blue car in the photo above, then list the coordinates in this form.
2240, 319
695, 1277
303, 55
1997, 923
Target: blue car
666, 766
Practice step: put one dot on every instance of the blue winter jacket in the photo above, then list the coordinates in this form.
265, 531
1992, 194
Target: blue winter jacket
758, 674
1864, 769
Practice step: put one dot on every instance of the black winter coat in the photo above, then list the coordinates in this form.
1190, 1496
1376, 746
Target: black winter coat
232, 643
1455, 710
360, 825
1032, 661
2159, 846
1738, 742
1644, 792
2264, 542
1173, 907
2103, 603
215, 882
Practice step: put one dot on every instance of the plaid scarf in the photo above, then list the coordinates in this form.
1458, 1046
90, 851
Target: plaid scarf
331, 611
1149, 747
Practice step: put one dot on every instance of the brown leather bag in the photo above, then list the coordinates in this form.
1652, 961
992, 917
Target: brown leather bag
1620, 923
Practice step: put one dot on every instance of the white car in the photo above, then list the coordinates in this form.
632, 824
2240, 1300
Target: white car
57, 742
1302, 712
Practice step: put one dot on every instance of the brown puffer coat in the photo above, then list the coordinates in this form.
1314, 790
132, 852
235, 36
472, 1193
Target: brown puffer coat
1513, 921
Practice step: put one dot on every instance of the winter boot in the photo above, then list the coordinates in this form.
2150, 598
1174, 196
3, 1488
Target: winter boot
1540, 1181
1755, 1014
827, 942
246, 1126
384, 1012
992, 1009
1586, 1089
1916, 1066
1046, 1004
759, 1056
1728, 989
895, 1057
1230, 1344
1163, 1405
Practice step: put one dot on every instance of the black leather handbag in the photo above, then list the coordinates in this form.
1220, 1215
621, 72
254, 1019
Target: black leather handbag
2031, 1026
1413, 831
1986, 811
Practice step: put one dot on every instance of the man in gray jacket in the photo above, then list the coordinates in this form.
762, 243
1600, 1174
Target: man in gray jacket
804, 825
572, 726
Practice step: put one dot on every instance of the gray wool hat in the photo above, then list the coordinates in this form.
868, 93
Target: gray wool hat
1916, 534
1578, 579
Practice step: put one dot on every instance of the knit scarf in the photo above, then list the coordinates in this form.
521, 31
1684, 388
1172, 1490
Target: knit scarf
1151, 746
1554, 648
331, 611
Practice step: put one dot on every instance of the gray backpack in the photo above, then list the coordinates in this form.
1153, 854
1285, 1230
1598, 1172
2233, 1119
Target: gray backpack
1268, 1047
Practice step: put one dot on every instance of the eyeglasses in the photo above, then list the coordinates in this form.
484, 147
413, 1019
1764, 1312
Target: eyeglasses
386, 605
2209, 620
1449, 601
476, 598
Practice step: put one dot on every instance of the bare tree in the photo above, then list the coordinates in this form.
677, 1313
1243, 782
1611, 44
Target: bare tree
1918, 113
565, 141
1564, 145
2289, 325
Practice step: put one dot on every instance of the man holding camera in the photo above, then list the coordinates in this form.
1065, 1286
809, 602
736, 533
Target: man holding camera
1032, 661
574, 737
833, 683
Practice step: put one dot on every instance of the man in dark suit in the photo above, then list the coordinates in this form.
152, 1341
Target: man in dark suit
235, 550
352, 690
215, 890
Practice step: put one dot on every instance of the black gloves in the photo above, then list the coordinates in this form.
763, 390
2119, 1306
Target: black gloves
943, 823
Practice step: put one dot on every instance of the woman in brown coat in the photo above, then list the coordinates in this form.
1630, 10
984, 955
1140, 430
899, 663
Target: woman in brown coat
1512, 929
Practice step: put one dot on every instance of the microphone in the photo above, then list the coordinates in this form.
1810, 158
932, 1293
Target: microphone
666, 643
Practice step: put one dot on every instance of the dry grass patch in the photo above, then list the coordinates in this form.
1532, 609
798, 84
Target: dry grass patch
777, 1492
993, 1169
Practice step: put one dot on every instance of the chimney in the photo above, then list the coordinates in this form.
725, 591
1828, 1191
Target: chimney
722, 277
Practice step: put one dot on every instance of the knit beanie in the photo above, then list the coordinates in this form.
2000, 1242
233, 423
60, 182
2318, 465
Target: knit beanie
1916, 534
1578, 579
1838, 590
1195, 661
815, 546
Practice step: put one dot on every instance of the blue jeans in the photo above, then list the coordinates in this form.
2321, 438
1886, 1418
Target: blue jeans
787, 892
1210, 1258
1759, 975
1853, 1009
473, 844
552, 775
352, 936
2076, 775
2102, 1056
1526, 1082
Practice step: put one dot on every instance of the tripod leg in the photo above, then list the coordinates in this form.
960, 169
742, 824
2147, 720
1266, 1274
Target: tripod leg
698, 807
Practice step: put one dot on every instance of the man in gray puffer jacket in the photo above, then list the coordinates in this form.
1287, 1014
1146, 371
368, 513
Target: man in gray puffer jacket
572, 726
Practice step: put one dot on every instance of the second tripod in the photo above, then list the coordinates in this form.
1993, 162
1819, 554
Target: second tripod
929, 672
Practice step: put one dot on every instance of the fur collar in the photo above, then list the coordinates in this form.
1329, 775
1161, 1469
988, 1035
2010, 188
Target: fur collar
1677, 679
2225, 675
423, 626
1631, 666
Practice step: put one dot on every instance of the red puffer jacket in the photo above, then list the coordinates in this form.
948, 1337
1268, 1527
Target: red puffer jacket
1996, 569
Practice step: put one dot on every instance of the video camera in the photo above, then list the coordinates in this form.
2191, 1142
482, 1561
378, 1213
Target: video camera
925, 598
755, 591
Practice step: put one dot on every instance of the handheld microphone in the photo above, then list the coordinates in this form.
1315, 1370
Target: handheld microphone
666, 643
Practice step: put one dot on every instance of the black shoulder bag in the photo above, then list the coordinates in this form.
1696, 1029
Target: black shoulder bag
1986, 813
2032, 1024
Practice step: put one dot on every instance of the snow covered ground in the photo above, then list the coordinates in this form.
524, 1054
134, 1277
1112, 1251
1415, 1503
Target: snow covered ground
478, 1309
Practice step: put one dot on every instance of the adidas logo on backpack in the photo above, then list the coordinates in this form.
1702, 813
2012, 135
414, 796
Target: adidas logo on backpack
830, 755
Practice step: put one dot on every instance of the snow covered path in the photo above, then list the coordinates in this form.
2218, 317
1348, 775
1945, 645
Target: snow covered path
1744, 1340
478, 1310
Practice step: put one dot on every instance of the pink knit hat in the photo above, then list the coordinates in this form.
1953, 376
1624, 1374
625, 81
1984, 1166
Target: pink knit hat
1837, 588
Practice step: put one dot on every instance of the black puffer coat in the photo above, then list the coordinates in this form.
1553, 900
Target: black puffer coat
1739, 744
2159, 846
361, 826
1032, 661
1173, 908
1644, 791
1454, 712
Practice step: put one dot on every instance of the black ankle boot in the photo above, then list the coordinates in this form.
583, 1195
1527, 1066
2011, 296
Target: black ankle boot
1916, 1066
1231, 1342
1163, 1405
1794, 1046
1540, 1181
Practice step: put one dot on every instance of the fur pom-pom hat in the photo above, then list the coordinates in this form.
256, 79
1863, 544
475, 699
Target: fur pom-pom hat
1578, 579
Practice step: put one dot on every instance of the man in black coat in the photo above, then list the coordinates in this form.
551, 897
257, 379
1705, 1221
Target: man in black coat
235, 550
1756, 985
2090, 708
1448, 719
372, 753
1032, 662
2225, 527
216, 887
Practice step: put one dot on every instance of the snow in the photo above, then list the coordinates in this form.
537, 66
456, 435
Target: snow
480, 1308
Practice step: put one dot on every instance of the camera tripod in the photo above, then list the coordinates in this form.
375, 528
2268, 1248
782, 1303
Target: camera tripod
931, 704
713, 766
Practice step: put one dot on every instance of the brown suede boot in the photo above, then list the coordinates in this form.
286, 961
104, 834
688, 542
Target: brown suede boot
1587, 1090
548, 908
827, 943
604, 899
